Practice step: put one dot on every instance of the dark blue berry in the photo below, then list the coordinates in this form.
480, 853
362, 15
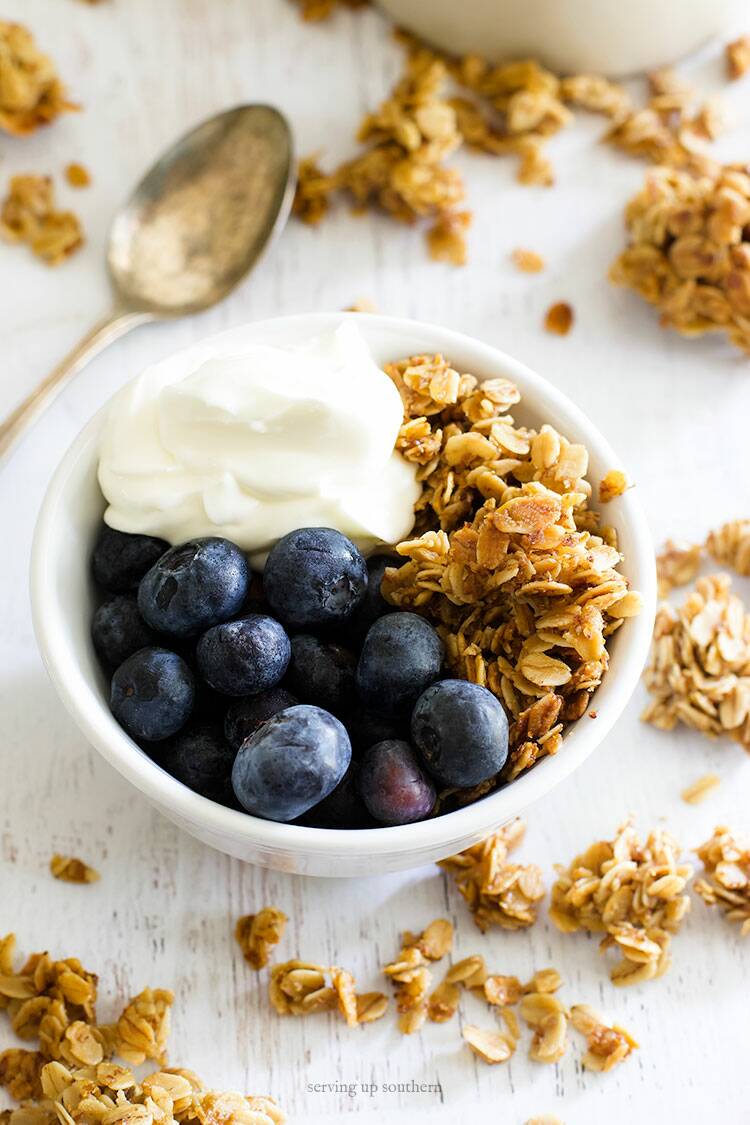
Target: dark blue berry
342, 808
245, 715
401, 656
461, 731
393, 785
201, 758
118, 630
152, 694
373, 605
322, 673
314, 577
120, 560
194, 586
368, 727
291, 763
244, 657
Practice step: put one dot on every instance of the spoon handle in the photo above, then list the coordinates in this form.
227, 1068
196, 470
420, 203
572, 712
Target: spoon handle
110, 328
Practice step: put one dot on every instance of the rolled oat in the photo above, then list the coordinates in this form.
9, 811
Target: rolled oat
258, 933
700, 789
491, 1046
299, 988
726, 878
69, 869
607, 1046
413, 979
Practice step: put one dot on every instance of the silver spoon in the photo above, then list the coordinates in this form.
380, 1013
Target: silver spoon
192, 229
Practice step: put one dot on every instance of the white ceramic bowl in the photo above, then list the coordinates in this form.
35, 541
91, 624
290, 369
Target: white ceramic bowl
62, 601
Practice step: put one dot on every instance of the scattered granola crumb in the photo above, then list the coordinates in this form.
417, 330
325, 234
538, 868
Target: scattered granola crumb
677, 564
412, 977
613, 484
143, 1028
559, 319
446, 238
298, 988
633, 892
20, 1073
31, 94
730, 546
726, 879
313, 11
28, 215
258, 933
548, 1017
497, 892
77, 175
607, 1046
700, 789
71, 870
491, 1046
699, 669
738, 57
363, 305
528, 261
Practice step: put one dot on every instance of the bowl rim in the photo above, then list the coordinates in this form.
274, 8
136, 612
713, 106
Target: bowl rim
92, 716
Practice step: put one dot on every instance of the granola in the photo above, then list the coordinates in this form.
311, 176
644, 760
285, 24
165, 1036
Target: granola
738, 57
677, 564
298, 988
700, 789
730, 546
726, 879
633, 893
257, 934
69, 869
548, 1017
31, 94
527, 261
412, 977
606, 1046
77, 175
613, 484
143, 1028
313, 11
491, 1046
559, 319
699, 669
28, 214
497, 892
20, 1073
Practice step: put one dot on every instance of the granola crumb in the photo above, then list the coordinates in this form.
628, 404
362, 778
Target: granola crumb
258, 933
363, 305
730, 546
28, 214
490, 1045
677, 564
700, 789
559, 319
31, 94
69, 869
527, 261
446, 238
77, 175
726, 877
607, 1046
411, 975
548, 1018
299, 988
314, 11
737, 55
613, 484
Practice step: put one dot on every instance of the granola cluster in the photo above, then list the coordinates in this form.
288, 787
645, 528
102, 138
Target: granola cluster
28, 214
498, 893
70, 869
299, 988
699, 669
729, 546
607, 1046
411, 975
31, 94
257, 934
633, 893
689, 250
507, 559
726, 879
677, 564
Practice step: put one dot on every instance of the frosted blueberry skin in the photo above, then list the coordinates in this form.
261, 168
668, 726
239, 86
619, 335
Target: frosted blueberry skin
291, 763
393, 784
322, 673
118, 630
120, 560
314, 577
244, 657
461, 731
194, 586
244, 716
152, 694
200, 757
401, 656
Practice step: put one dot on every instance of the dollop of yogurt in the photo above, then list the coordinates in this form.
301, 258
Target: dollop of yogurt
252, 441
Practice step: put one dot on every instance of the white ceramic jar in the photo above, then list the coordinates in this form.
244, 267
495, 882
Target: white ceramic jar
613, 37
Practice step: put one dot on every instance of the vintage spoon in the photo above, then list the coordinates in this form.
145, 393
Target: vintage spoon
192, 229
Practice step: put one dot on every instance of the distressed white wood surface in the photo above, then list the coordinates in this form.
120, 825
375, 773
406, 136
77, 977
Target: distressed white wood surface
678, 414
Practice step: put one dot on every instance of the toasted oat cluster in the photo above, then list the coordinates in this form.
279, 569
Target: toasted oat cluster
633, 893
69, 869
507, 558
613, 484
412, 977
730, 546
726, 879
498, 893
316, 10
677, 564
31, 94
699, 669
257, 934
738, 57
298, 988
28, 214
607, 1046
688, 250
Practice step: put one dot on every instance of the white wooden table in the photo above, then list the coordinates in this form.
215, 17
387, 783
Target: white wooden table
678, 413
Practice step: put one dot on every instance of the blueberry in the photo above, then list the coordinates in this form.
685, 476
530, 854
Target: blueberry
291, 763
244, 657
322, 673
314, 577
194, 586
152, 694
201, 758
373, 605
368, 727
393, 785
120, 560
118, 630
342, 808
401, 656
461, 731
245, 715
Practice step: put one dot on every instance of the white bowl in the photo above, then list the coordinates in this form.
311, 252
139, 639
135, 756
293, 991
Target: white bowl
62, 599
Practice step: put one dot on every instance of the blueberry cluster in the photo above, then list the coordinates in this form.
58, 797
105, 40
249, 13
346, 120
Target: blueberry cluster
298, 697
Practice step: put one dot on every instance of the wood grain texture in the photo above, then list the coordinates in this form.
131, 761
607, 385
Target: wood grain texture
676, 412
